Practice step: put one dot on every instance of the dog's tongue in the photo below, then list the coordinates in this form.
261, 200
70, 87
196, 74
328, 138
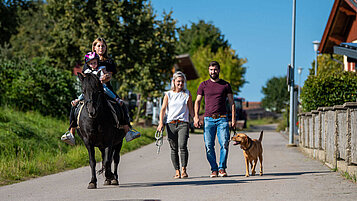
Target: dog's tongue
235, 143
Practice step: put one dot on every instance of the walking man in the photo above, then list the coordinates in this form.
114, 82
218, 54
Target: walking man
216, 91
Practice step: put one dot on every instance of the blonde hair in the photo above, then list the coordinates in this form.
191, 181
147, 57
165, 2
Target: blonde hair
106, 47
174, 77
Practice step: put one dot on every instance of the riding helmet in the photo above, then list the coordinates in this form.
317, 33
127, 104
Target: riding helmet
90, 56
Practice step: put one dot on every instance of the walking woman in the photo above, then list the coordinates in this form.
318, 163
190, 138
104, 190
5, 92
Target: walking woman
178, 106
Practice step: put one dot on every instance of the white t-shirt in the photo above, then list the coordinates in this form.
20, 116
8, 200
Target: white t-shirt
177, 108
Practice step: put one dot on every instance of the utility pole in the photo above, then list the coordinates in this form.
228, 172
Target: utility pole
292, 83
316, 47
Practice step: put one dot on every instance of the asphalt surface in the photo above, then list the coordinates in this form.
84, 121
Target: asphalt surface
146, 175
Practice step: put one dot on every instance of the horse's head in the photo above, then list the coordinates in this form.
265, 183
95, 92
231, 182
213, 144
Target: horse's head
92, 91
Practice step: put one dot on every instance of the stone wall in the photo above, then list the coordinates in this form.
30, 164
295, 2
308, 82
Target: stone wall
329, 134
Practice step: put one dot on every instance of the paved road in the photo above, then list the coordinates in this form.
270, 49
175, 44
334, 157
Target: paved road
144, 175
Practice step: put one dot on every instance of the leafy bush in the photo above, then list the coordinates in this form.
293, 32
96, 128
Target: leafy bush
36, 86
329, 90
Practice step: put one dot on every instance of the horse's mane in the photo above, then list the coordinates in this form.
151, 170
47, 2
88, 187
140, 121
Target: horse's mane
91, 82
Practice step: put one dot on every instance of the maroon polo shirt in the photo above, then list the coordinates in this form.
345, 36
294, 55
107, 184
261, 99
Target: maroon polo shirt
215, 94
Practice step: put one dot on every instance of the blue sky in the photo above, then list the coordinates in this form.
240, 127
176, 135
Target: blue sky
259, 31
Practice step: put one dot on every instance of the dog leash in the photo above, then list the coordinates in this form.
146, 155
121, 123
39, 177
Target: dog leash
234, 130
159, 140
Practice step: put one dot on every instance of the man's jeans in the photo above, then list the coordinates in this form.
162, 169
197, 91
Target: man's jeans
221, 127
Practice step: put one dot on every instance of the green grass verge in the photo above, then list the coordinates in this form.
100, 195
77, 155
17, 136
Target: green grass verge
30, 146
262, 121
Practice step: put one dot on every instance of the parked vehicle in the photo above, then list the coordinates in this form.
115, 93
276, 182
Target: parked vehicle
241, 115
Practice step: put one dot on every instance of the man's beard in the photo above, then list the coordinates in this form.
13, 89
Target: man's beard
214, 76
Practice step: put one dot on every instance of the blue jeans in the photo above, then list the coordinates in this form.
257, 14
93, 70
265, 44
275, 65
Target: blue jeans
220, 127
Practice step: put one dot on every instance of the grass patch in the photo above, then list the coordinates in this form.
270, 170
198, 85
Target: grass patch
350, 177
262, 121
30, 146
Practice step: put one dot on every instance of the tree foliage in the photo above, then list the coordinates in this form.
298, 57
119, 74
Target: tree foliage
232, 69
142, 46
331, 86
9, 20
326, 66
205, 43
329, 90
276, 95
200, 34
32, 38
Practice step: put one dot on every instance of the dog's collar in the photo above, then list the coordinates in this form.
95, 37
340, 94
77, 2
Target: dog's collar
250, 144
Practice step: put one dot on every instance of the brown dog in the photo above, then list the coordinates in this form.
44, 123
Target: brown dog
252, 150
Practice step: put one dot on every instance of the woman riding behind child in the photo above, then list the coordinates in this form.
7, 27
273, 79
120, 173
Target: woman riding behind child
105, 71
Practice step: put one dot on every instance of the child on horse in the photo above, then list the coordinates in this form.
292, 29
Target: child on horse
91, 60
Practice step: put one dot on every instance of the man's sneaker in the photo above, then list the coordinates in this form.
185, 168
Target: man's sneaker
222, 173
132, 134
68, 138
213, 174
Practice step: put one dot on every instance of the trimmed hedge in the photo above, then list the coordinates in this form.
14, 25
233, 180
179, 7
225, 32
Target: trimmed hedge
36, 86
329, 90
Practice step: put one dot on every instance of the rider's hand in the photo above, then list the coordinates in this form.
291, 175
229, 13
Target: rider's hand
120, 101
196, 122
105, 77
74, 102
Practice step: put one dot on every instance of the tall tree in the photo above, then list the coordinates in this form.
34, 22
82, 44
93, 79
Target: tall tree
73, 26
33, 37
9, 20
200, 34
232, 69
205, 43
142, 46
276, 95
326, 65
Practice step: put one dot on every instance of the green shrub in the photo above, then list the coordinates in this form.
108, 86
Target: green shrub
36, 86
328, 90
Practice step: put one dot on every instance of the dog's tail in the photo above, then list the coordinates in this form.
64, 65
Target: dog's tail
261, 136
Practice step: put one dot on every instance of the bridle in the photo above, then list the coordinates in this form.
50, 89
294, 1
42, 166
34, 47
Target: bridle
97, 105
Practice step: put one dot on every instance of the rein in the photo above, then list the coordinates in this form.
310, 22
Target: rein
79, 114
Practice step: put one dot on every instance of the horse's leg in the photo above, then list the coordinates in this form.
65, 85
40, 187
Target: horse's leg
108, 165
102, 150
92, 163
116, 157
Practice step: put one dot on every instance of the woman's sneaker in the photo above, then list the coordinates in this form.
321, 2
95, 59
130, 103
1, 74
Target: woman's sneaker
68, 138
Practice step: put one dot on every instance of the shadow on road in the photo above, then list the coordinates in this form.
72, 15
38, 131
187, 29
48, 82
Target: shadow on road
296, 173
185, 182
220, 181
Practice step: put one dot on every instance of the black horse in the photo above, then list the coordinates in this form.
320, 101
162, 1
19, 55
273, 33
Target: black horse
97, 128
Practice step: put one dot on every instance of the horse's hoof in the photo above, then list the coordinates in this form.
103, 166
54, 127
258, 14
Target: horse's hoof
114, 182
92, 186
107, 182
